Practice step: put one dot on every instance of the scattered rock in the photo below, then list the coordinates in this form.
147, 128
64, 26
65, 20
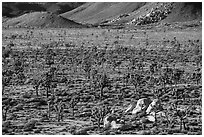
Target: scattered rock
37, 131
30, 125
144, 132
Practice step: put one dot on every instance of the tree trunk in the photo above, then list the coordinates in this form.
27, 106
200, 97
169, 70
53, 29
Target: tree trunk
73, 111
36, 90
6, 111
155, 115
135, 91
58, 116
101, 93
98, 123
4, 115
197, 80
61, 113
3, 87
47, 94
184, 125
181, 121
48, 109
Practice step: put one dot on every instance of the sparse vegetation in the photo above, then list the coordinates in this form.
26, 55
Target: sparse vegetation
74, 78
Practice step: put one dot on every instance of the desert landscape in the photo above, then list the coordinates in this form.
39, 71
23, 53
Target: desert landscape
102, 68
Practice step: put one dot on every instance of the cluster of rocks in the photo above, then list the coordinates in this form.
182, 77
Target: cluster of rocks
115, 19
145, 109
155, 15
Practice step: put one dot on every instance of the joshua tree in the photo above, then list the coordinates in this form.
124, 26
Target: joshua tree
140, 66
169, 117
198, 77
59, 108
153, 68
36, 84
4, 112
48, 80
73, 103
19, 68
93, 78
115, 63
98, 113
87, 67
47, 83
103, 82
6, 105
137, 81
100, 81
182, 115
7, 51
55, 103
197, 59
6, 78
49, 57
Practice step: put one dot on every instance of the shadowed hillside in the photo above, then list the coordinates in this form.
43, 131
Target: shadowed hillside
13, 9
185, 12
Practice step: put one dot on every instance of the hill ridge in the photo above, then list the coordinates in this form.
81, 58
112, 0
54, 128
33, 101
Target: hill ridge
41, 20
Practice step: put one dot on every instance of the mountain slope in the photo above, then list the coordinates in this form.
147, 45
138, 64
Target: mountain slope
113, 13
99, 11
187, 11
41, 20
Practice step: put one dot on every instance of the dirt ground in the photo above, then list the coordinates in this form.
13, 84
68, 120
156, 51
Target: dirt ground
27, 108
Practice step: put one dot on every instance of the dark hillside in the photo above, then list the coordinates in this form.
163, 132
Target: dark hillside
13, 9
185, 12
